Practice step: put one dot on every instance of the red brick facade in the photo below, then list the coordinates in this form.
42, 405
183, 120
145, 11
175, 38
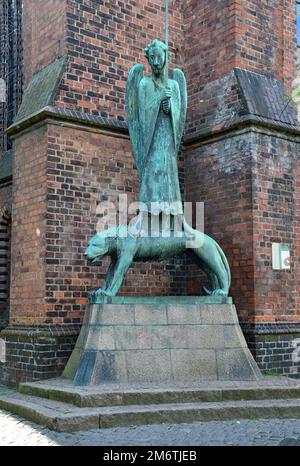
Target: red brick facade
276, 175
43, 34
29, 228
5, 243
241, 163
256, 35
249, 185
102, 41
5, 237
56, 194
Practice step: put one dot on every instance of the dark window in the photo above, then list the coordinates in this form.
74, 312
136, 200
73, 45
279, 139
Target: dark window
10, 65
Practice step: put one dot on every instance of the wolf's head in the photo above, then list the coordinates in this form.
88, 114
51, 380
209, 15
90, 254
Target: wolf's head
101, 244
98, 246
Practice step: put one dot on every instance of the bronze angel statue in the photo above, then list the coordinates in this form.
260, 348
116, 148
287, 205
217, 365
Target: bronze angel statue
156, 112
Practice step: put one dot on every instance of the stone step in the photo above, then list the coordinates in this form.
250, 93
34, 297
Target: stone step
64, 417
111, 395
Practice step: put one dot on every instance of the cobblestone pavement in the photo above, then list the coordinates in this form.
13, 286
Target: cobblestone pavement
14, 431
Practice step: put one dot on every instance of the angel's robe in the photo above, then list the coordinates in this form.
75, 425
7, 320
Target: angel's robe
160, 132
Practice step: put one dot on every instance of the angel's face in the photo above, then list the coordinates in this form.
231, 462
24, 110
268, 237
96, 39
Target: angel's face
156, 60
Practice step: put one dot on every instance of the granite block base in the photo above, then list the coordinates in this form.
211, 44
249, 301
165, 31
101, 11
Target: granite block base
160, 344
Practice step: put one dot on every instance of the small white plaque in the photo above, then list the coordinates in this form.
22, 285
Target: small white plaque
280, 257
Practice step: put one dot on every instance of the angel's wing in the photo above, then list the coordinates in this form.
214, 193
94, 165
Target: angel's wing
134, 78
178, 76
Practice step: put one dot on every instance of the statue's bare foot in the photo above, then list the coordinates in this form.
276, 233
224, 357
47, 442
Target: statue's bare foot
219, 292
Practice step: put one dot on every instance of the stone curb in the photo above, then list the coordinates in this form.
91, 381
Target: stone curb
84, 418
144, 397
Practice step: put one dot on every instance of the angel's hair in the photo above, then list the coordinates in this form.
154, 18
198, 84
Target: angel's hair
155, 44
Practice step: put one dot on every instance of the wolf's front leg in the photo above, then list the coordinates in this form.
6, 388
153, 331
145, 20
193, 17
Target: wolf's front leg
95, 294
117, 274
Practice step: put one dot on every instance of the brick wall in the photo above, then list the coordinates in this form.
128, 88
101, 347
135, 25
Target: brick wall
3, 72
220, 175
209, 52
29, 228
276, 348
253, 35
5, 237
102, 41
266, 37
63, 170
43, 34
249, 185
36, 353
276, 178
85, 168
57, 190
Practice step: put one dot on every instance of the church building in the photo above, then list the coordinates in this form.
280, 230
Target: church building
65, 149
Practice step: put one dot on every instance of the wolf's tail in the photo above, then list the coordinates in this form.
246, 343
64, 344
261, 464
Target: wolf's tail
225, 263
193, 232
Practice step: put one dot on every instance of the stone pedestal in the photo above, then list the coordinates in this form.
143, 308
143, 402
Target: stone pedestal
162, 342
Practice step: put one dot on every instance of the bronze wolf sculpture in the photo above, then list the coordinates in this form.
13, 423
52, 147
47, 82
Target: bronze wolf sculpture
124, 249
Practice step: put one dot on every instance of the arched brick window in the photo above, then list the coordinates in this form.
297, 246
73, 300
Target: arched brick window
5, 236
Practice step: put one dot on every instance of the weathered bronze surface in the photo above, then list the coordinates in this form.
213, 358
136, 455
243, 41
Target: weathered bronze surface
124, 249
156, 111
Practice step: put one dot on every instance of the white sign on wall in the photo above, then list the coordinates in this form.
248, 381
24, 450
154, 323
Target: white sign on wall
296, 352
281, 258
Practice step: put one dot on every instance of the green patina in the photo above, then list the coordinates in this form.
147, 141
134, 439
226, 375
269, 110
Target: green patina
41, 90
159, 300
156, 109
124, 248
